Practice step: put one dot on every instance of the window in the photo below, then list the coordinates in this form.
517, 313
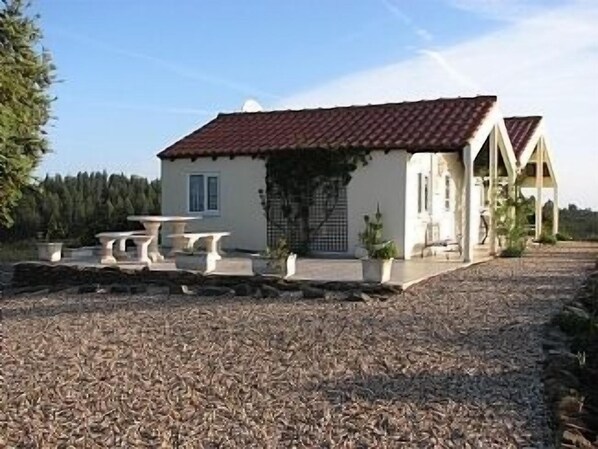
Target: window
423, 192
447, 192
204, 193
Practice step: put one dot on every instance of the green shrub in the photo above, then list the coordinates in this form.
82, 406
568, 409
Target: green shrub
388, 251
563, 236
512, 210
575, 325
512, 251
18, 251
547, 239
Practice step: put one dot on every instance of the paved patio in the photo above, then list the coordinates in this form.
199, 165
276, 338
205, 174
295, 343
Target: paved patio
404, 272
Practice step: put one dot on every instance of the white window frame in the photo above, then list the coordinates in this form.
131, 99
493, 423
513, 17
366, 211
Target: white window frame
205, 212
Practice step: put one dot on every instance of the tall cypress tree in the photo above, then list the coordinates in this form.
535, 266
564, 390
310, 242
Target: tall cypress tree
26, 74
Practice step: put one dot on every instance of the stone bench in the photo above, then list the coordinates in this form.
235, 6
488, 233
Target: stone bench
107, 240
187, 241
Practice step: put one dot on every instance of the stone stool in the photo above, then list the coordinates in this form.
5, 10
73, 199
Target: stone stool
107, 241
142, 242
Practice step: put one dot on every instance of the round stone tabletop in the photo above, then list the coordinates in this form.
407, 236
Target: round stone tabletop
160, 218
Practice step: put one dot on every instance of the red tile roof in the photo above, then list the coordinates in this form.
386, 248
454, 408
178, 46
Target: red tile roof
521, 130
428, 125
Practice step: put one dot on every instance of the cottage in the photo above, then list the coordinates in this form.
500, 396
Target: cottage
534, 161
432, 169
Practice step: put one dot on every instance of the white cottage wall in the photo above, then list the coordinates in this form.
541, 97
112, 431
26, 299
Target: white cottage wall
240, 212
380, 183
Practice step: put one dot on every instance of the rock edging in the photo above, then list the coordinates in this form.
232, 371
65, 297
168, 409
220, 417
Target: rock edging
31, 276
571, 369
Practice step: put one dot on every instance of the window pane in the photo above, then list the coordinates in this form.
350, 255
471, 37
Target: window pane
212, 193
447, 192
426, 193
420, 189
196, 193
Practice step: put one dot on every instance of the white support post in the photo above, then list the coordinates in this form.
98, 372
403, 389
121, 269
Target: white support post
555, 209
493, 173
404, 228
468, 204
539, 182
432, 187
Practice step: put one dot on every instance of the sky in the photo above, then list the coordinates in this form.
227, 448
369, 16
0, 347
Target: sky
136, 75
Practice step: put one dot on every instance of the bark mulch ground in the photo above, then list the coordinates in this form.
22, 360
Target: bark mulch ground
453, 362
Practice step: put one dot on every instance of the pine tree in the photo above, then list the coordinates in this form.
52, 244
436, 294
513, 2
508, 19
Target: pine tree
25, 77
79, 207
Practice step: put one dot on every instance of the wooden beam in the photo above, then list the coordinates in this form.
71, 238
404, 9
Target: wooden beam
539, 185
493, 174
555, 209
468, 204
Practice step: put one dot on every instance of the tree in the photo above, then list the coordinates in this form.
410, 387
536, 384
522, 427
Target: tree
26, 74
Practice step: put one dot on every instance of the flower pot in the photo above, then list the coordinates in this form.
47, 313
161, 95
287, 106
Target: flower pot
203, 262
263, 266
49, 251
376, 270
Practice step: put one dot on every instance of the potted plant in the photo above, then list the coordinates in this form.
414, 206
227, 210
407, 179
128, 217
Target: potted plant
377, 265
278, 261
49, 248
511, 221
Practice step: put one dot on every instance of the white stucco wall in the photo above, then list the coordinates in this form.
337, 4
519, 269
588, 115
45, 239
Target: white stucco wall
389, 180
381, 182
240, 210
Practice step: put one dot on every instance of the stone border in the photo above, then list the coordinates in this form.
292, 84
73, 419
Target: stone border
31, 276
568, 383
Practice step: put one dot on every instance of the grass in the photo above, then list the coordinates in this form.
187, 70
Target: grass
547, 239
18, 251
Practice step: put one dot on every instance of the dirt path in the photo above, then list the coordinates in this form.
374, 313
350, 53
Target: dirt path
454, 362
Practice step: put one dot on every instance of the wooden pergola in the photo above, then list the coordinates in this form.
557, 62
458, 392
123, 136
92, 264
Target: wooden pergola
535, 163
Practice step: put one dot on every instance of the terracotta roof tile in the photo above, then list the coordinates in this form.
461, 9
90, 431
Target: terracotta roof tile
428, 125
521, 130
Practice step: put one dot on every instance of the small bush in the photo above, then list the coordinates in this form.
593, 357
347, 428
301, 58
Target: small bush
18, 251
512, 251
388, 251
573, 324
563, 237
547, 239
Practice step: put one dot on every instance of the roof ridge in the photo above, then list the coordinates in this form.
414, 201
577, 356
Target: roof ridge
361, 106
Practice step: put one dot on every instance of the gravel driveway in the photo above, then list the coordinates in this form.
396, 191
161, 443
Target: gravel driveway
453, 362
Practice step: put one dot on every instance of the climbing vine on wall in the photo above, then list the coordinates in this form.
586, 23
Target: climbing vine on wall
295, 177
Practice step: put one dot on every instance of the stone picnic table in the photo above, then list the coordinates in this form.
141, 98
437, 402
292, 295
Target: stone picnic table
152, 224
